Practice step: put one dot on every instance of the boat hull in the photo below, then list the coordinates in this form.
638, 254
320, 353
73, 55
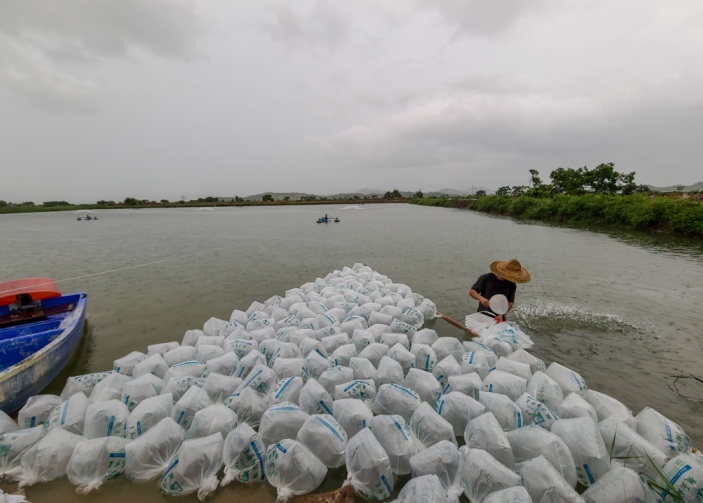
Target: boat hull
31, 375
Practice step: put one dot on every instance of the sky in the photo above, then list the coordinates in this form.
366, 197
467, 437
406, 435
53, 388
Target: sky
163, 99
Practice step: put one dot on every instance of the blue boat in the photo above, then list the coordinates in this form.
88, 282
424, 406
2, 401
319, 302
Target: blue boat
39, 330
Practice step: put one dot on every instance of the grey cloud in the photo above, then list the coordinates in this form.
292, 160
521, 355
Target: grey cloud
316, 23
487, 130
105, 28
482, 18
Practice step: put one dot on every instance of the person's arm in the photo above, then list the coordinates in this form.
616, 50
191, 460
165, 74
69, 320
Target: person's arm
480, 298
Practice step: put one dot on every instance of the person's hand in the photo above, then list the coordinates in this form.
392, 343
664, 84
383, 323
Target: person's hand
484, 302
499, 318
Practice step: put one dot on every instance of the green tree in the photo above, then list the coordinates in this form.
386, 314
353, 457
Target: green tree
568, 181
537, 189
603, 179
28, 203
287, 198
267, 198
3, 204
626, 183
519, 190
130, 201
164, 201
480, 193
503, 191
419, 195
238, 199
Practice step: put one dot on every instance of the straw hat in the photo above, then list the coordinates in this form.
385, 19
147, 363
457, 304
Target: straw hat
511, 270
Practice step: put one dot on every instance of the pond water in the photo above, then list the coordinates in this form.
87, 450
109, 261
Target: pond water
622, 309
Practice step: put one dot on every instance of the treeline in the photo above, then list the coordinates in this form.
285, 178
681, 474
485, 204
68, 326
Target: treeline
266, 199
603, 179
601, 195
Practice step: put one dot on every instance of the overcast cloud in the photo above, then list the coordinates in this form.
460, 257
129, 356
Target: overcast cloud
106, 99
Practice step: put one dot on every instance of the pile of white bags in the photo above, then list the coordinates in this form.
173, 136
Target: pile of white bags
340, 372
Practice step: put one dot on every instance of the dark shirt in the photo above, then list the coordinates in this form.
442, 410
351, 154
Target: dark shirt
488, 286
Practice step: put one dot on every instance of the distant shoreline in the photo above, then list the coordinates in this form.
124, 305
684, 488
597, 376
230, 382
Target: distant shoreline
636, 211
21, 208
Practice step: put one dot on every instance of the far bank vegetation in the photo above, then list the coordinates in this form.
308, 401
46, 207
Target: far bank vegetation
599, 195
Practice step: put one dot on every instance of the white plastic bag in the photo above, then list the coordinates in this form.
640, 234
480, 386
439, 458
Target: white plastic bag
147, 456
544, 483
424, 384
353, 415
106, 419
574, 406
140, 388
314, 399
191, 402
293, 469
13, 445
546, 390
620, 485
505, 383
194, 467
503, 408
36, 410
287, 390
218, 386
629, 449
664, 433
429, 427
484, 432
425, 489
368, 467
389, 372
535, 412
392, 399
607, 406
249, 406
587, 448
532, 441
394, 435
569, 380
361, 389
212, 419
482, 474
443, 460
682, 479
458, 409
325, 438
70, 414
94, 461
243, 455
282, 420
468, 384
516, 494
126, 364
147, 414
47, 459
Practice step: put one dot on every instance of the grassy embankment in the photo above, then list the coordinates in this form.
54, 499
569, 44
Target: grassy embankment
661, 213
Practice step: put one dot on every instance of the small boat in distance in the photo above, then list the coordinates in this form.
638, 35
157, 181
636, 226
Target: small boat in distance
39, 331
326, 219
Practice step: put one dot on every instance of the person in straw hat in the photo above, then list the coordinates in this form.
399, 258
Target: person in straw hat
501, 280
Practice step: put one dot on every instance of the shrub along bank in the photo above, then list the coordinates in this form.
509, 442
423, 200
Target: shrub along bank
637, 211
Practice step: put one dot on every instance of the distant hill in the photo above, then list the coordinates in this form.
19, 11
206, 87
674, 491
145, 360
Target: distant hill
676, 188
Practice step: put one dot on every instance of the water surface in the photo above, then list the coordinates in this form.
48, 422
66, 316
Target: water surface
622, 309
